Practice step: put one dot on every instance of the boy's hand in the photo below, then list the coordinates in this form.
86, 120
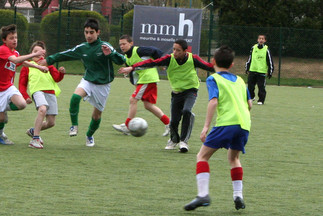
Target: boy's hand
61, 70
203, 134
28, 101
106, 50
43, 69
125, 70
269, 76
40, 53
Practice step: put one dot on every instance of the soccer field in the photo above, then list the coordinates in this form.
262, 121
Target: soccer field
125, 175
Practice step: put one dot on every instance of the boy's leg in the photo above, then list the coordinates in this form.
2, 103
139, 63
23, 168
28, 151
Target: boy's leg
236, 177
251, 84
17, 103
3, 137
202, 179
159, 114
188, 120
39, 119
79, 93
261, 83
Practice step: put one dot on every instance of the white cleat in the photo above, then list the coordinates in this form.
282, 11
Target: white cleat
35, 143
167, 130
4, 139
170, 145
73, 130
89, 141
30, 132
183, 147
121, 128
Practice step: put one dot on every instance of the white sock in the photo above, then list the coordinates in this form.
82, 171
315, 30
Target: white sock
202, 180
237, 189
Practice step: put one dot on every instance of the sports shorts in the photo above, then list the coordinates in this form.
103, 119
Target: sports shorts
49, 100
97, 95
5, 97
146, 92
233, 137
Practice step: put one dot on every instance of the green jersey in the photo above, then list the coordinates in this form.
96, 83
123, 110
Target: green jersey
98, 67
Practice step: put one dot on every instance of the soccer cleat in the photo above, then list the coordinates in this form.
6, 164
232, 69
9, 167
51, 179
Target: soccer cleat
260, 103
30, 132
183, 147
89, 141
170, 145
167, 130
4, 139
198, 202
35, 143
239, 203
73, 130
121, 128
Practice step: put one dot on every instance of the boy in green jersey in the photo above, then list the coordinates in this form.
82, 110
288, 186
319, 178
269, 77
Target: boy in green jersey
228, 97
97, 57
184, 81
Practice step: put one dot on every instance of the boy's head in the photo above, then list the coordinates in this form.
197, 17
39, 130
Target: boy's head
125, 43
180, 48
223, 57
261, 39
9, 36
91, 30
35, 47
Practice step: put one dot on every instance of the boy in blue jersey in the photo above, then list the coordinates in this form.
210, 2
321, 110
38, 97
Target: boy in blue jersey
229, 97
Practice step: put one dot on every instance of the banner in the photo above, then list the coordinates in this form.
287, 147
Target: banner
162, 26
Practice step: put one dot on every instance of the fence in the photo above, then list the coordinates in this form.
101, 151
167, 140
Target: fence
297, 53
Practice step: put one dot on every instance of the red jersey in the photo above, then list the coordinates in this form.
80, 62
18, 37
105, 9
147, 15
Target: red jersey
7, 68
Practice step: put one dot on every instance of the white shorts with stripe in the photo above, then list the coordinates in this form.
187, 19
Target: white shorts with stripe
97, 95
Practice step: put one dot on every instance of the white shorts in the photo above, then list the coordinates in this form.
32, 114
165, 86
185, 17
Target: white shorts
49, 100
97, 95
5, 97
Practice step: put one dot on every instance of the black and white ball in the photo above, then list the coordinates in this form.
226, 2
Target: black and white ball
138, 126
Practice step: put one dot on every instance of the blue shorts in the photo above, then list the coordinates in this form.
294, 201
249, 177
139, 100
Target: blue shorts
233, 137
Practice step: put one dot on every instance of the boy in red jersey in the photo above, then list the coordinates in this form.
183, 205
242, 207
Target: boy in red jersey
10, 97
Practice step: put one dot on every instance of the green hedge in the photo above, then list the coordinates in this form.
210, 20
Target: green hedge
71, 30
7, 18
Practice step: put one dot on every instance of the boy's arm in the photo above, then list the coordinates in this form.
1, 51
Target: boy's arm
67, 55
149, 51
209, 116
200, 63
270, 64
43, 69
247, 66
23, 58
23, 82
57, 75
115, 57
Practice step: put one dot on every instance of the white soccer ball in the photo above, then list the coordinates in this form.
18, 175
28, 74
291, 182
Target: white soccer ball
138, 127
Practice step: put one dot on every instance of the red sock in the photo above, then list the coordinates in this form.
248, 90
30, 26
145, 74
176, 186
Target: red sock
236, 173
202, 167
165, 119
127, 121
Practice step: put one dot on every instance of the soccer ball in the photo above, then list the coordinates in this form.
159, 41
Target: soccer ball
138, 127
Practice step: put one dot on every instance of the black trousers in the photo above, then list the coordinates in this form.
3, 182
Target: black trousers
259, 79
181, 107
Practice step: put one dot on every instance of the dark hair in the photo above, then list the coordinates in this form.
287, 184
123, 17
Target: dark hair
126, 37
224, 56
182, 43
5, 30
263, 35
92, 23
38, 43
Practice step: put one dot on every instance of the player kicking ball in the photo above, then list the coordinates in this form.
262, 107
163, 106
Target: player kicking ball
231, 100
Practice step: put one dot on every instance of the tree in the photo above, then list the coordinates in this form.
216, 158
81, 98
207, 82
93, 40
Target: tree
2, 3
39, 7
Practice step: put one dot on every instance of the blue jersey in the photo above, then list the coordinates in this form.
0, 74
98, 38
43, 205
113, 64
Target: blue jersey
213, 87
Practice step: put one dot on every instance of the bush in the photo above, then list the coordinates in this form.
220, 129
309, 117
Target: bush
7, 18
71, 29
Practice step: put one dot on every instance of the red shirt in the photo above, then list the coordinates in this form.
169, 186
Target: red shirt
7, 68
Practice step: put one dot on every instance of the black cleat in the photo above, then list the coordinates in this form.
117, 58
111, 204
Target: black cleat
239, 203
197, 202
